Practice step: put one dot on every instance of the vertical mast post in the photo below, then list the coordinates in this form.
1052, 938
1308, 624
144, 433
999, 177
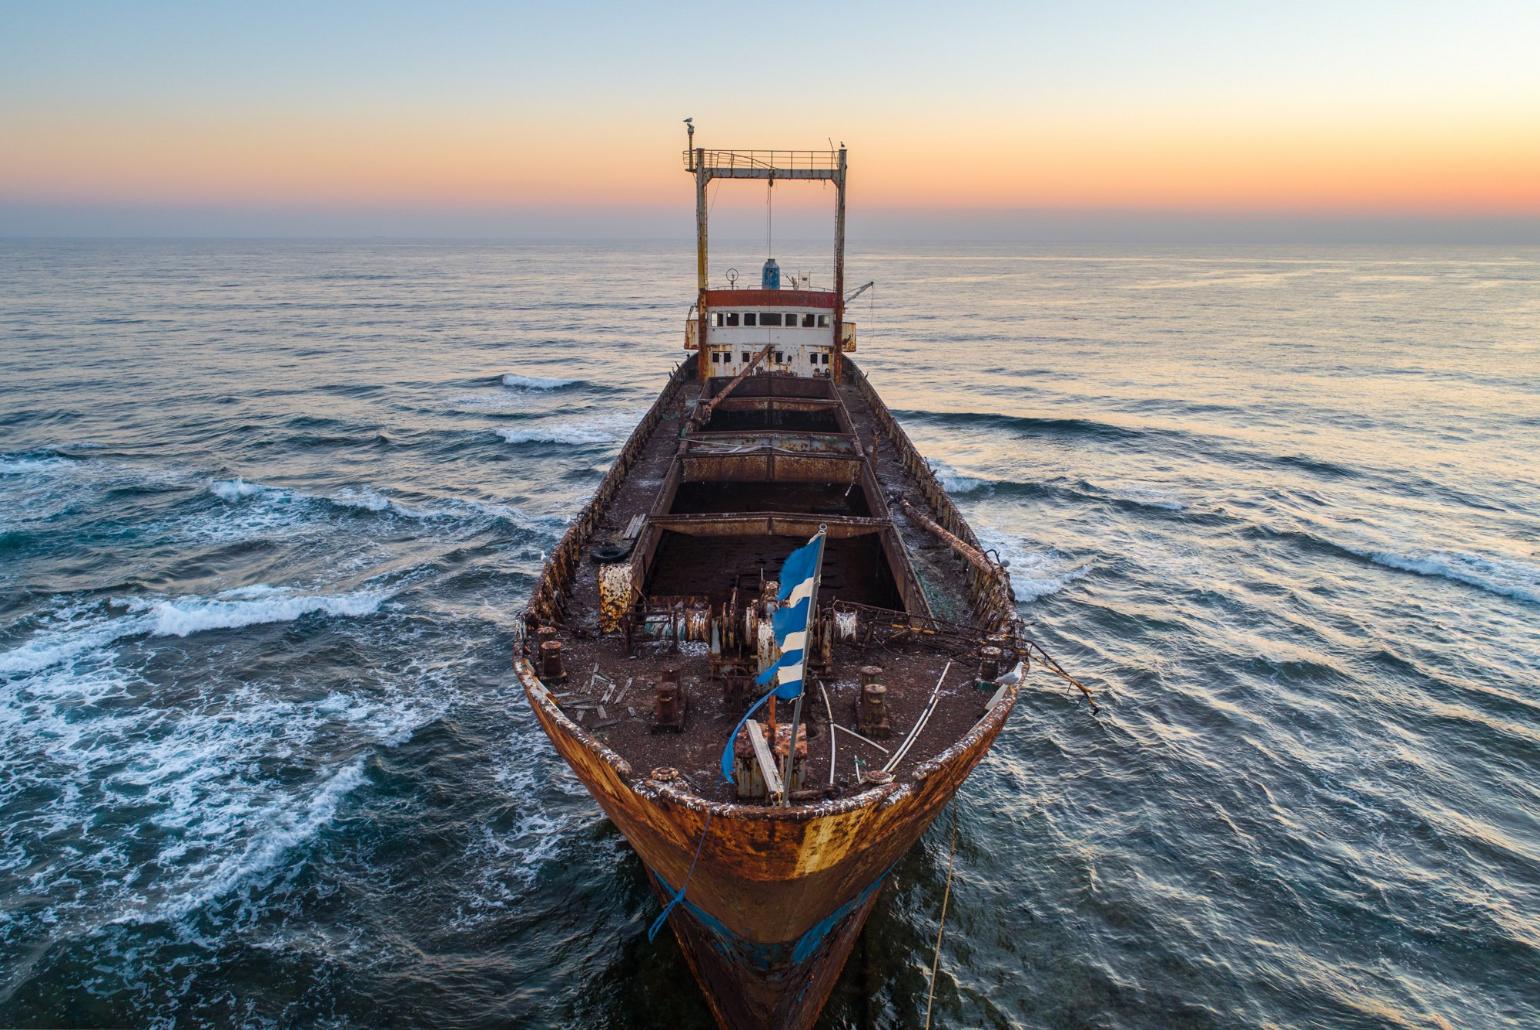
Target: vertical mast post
839, 267
702, 179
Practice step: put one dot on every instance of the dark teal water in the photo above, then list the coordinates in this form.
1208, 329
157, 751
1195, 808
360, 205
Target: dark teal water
268, 512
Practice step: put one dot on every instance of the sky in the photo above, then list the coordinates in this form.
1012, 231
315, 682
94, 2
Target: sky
1345, 120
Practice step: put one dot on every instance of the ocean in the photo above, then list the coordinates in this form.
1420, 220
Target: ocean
269, 511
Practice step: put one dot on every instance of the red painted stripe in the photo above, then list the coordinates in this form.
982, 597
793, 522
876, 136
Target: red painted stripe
769, 298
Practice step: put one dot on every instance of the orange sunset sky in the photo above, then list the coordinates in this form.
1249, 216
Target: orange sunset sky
269, 118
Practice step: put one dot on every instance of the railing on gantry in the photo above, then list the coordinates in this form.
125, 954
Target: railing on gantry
781, 160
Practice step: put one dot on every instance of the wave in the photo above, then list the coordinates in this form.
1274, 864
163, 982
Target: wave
959, 484
1034, 574
286, 827
250, 606
575, 435
1029, 426
224, 783
366, 498
236, 489
86, 630
518, 382
1037, 581
22, 465
1501, 576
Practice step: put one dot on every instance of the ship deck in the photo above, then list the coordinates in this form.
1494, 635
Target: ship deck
713, 509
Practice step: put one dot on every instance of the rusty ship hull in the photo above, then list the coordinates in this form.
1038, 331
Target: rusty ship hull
653, 616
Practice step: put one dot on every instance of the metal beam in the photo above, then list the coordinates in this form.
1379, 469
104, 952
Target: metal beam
768, 523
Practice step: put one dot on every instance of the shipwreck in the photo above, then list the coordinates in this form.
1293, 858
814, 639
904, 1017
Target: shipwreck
770, 646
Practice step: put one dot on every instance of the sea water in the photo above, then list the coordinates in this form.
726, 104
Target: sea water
269, 510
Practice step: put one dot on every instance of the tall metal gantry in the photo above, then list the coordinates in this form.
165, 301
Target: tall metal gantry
804, 165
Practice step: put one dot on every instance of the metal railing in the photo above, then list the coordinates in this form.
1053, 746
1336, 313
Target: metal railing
788, 160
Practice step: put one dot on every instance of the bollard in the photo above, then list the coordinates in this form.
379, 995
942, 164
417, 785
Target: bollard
668, 703
551, 669
872, 711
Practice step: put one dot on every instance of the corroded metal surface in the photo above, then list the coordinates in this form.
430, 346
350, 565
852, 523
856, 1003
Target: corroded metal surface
666, 580
616, 592
777, 894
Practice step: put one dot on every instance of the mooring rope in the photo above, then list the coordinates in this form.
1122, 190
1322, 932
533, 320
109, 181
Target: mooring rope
946, 895
657, 924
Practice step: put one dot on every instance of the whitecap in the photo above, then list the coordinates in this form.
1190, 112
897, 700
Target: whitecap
282, 829
576, 435
956, 482
1037, 574
250, 606
1035, 582
365, 497
518, 382
83, 630
31, 466
1505, 577
237, 489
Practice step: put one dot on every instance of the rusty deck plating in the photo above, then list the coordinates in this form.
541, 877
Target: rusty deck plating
778, 894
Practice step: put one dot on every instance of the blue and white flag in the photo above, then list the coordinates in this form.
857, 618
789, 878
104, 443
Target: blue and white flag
799, 577
799, 581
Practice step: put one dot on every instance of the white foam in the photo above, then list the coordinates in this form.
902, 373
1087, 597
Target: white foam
956, 482
365, 497
517, 382
1505, 577
282, 829
238, 489
251, 606
197, 773
1035, 582
31, 466
576, 435
1037, 574
1150, 498
83, 630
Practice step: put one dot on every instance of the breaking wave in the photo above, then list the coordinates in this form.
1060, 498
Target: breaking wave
22, 465
235, 489
518, 382
1504, 577
1130, 495
83, 630
1028, 426
366, 498
576, 435
1035, 574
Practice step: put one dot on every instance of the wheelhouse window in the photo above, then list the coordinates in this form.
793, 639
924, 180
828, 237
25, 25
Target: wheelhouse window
808, 320
823, 321
770, 318
750, 318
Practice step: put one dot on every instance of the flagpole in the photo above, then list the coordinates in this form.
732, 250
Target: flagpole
807, 651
